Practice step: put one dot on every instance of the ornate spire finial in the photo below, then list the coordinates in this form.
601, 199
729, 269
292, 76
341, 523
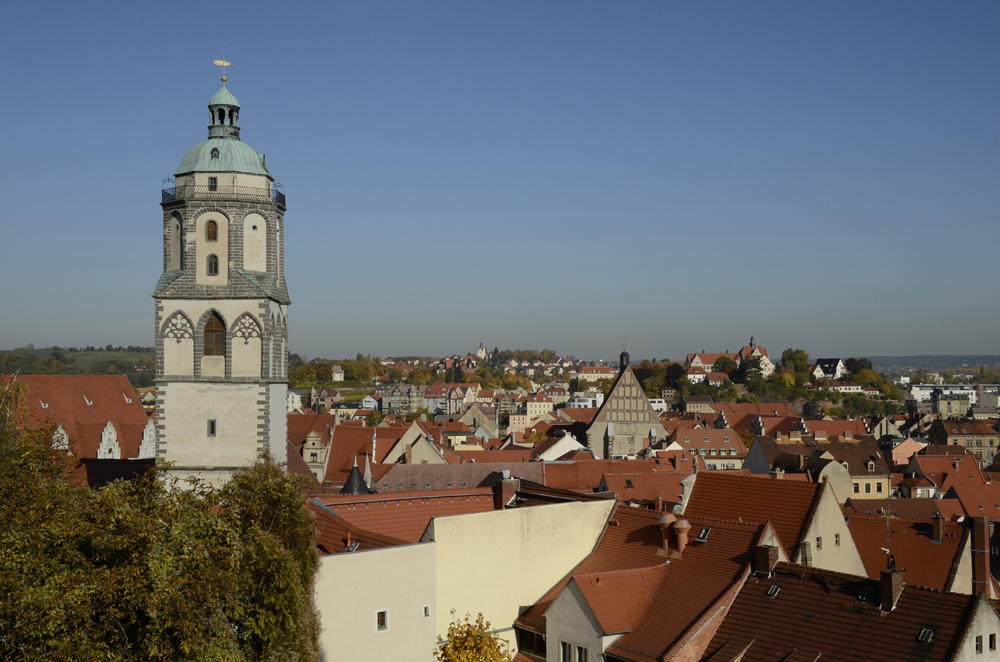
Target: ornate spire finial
222, 63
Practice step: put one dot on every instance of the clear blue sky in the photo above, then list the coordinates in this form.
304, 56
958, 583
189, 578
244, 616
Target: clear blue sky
678, 175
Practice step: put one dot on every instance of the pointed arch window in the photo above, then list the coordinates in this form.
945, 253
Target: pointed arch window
213, 265
211, 231
215, 337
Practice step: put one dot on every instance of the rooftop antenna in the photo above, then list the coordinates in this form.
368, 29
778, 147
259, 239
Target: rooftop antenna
222, 63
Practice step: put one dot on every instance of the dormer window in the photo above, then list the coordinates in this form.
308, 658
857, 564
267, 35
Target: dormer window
211, 228
871, 466
215, 152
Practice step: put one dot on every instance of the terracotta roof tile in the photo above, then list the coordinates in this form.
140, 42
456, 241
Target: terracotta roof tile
83, 405
405, 515
817, 614
787, 505
927, 563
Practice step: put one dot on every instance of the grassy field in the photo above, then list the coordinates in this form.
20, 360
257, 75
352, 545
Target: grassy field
86, 360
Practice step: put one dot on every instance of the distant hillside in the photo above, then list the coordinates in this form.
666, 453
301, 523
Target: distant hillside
899, 364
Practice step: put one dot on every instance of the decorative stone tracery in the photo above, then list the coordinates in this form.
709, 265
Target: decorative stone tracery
179, 328
247, 329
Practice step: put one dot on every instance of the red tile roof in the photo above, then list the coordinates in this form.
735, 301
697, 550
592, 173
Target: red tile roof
645, 487
787, 505
300, 425
585, 476
405, 515
817, 615
927, 563
83, 405
353, 444
334, 534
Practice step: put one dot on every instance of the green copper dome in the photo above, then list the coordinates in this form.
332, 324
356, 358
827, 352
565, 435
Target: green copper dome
233, 155
223, 151
223, 98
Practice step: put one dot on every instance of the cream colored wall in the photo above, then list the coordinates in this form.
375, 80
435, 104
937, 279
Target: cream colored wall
963, 575
246, 356
189, 407
524, 551
178, 356
828, 522
213, 366
175, 243
352, 587
983, 625
570, 619
840, 480
204, 248
254, 243
424, 453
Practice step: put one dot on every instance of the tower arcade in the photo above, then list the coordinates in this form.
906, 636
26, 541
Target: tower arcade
221, 307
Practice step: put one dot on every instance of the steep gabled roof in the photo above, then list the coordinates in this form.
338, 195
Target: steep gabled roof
927, 563
788, 505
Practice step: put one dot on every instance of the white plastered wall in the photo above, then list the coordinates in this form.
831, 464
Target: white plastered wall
828, 523
527, 551
983, 625
352, 587
188, 406
570, 619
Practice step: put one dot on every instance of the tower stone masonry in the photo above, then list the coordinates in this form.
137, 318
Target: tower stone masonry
221, 307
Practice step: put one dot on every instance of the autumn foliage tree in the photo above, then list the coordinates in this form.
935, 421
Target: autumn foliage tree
471, 640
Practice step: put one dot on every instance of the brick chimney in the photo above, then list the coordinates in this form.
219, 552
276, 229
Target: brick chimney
504, 490
937, 528
892, 587
981, 579
765, 558
659, 504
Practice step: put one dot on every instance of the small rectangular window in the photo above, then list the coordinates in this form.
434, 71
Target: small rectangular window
868, 488
382, 620
566, 650
993, 642
878, 487
979, 643
427, 611
582, 654
213, 183
211, 428
819, 543
857, 488
312, 457
836, 540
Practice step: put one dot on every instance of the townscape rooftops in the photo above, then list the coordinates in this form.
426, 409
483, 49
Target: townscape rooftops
817, 614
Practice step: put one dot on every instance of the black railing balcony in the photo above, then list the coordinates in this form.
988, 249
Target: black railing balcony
192, 192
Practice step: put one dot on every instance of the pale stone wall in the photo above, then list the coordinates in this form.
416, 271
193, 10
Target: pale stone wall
828, 526
963, 575
983, 625
569, 619
526, 551
254, 243
351, 588
232, 406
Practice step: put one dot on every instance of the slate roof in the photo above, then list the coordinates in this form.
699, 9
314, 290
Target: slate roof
83, 405
788, 505
816, 615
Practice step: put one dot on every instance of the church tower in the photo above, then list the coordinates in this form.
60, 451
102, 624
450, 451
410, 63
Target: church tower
221, 307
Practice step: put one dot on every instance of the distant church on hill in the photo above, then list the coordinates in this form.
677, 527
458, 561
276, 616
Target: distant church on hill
221, 307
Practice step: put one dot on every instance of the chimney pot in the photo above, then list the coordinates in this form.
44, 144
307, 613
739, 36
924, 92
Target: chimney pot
681, 528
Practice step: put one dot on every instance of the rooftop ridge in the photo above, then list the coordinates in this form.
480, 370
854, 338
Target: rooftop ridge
622, 571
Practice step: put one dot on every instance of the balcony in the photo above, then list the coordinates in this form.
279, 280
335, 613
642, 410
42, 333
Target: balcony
251, 193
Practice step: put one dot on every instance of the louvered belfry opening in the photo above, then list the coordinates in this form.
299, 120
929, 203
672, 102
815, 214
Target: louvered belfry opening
215, 337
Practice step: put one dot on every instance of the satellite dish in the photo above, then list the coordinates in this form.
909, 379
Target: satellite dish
223, 63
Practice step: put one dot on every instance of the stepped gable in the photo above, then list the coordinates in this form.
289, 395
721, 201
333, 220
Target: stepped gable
818, 614
623, 423
929, 564
83, 405
788, 505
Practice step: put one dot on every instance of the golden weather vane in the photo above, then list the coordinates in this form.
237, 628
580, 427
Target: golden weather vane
222, 63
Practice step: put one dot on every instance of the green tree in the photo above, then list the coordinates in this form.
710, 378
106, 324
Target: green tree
373, 418
470, 640
148, 570
795, 360
724, 364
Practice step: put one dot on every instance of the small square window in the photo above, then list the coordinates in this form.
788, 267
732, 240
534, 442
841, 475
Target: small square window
382, 620
312, 457
211, 428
